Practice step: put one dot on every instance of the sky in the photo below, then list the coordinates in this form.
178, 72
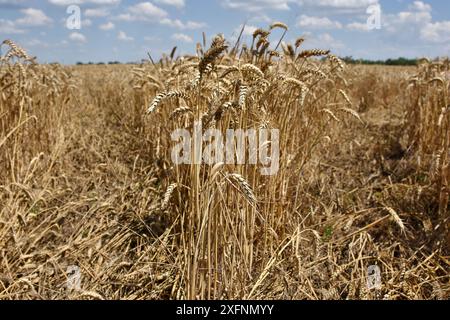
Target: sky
126, 30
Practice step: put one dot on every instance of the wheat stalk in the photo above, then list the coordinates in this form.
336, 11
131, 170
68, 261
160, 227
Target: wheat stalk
279, 25
212, 54
250, 68
156, 101
396, 218
313, 53
243, 91
244, 186
167, 195
180, 111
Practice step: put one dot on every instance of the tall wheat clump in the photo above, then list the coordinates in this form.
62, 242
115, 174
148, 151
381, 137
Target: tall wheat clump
32, 98
232, 220
428, 129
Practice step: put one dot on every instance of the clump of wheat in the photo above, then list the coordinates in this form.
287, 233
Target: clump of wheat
255, 86
427, 126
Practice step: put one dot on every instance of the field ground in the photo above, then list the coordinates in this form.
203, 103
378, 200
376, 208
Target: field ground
82, 185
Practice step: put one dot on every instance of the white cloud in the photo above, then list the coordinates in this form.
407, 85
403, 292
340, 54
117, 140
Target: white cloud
438, 32
78, 2
33, 18
248, 30
257, 5
144, 11
152, 38
122, 36
420, 6
339, 4
412, 28
96, 13
181, 25
322, 41
86, 23
107, 26
175, 3
408, 23
8, 27
182, 37
77, 37
148, 12
36, 43
260, 18
358, 26
402, 25
10, 3
317, 23
260, 5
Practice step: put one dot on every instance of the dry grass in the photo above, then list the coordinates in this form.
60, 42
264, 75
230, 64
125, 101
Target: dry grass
87, 179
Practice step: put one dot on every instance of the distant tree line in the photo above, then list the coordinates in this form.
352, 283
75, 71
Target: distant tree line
349, 60
97, 63
389, 62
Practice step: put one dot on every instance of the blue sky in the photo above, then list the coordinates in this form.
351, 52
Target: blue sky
126, 30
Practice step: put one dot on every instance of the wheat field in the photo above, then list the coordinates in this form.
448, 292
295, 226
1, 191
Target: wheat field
87, 178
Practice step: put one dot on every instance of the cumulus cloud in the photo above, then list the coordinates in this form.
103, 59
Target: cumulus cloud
30, 18
182, 37
260, 5
412, 27
78, 2
175, 3
148, 12
317, 23
438, 32
339, 4
86, 23
248, 30
358, 26
33, 18
8, 27
11, 4
257, 5
107, 26
96, 12
420, 6
122, 36
322, 40
144, 11
77, 37
406, 24
176, 23
36, 43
